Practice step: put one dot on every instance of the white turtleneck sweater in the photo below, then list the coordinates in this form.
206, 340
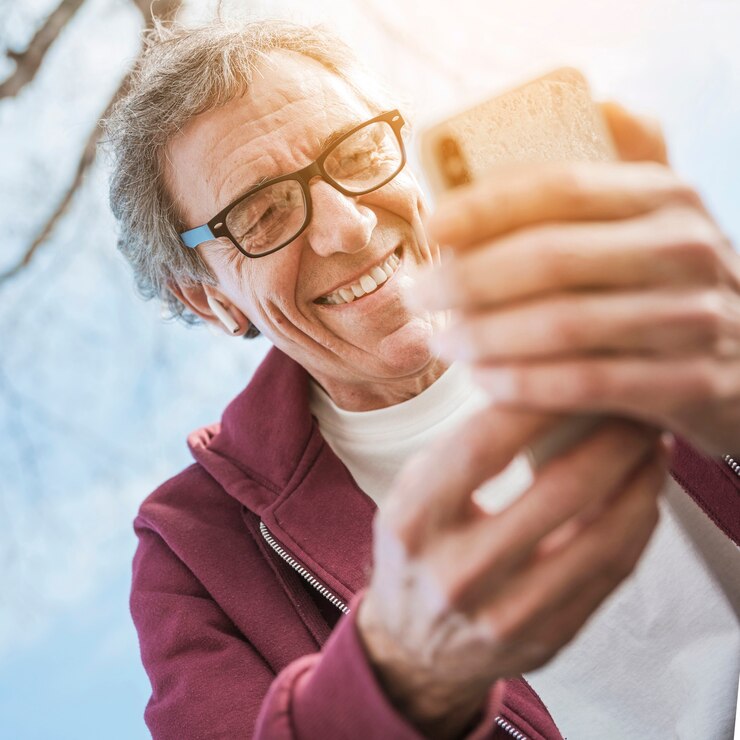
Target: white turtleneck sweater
660, 658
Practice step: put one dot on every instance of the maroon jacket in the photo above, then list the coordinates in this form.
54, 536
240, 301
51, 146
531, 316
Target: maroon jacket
248, 558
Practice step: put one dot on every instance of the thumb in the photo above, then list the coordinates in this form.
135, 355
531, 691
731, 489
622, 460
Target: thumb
433, 490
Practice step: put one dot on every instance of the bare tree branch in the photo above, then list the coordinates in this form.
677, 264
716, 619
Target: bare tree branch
168, 11
87, 158
29, 61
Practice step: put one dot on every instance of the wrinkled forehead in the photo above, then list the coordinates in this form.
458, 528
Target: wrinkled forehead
292, 107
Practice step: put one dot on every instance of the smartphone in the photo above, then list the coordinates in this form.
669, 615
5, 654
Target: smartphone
550, 118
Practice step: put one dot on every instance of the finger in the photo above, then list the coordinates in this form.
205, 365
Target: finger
666, 322
607, 550
650, 389
433, 490
522, 194
482, 554
674, 246
549, 635
636, 138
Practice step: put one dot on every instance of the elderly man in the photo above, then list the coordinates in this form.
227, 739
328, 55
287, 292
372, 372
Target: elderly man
261, 186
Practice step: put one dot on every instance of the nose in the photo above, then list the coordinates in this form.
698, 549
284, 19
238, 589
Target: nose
338, 223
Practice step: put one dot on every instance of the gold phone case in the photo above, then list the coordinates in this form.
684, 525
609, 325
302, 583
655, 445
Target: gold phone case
550, 118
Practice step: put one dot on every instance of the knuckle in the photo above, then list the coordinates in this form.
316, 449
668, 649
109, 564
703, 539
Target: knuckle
590, 381
654, 130
684, 194
707, 313
565, 330
704, 384
661, 170
569, 184
698, 244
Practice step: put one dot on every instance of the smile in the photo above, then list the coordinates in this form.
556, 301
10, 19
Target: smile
365, 284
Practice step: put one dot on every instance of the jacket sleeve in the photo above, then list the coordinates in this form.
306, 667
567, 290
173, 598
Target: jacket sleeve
208, 681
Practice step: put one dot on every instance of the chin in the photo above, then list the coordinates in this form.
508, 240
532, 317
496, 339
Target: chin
411, 359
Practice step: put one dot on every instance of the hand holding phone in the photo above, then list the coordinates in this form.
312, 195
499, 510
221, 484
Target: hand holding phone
552, 118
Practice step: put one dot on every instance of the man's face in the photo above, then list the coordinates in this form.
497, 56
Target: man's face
362, 351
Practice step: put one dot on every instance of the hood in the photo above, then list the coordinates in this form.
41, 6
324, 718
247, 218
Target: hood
267, 452
262, 436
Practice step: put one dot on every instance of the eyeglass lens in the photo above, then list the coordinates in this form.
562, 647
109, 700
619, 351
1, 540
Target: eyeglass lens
275, 214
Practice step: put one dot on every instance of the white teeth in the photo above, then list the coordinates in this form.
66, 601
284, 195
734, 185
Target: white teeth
378, 275
366, 284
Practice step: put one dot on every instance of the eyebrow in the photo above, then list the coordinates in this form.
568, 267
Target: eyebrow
324, 144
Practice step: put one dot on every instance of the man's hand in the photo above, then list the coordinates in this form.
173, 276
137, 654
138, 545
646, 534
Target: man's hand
594, 286
459, 599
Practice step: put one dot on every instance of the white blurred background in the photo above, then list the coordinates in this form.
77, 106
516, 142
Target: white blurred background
97, 393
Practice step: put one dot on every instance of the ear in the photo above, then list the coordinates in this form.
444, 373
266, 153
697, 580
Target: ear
195, 297
637, 138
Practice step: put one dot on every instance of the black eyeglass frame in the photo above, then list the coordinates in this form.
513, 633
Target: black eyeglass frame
216, 227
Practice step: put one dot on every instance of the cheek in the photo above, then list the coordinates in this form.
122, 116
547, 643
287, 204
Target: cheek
401, 196
267, 282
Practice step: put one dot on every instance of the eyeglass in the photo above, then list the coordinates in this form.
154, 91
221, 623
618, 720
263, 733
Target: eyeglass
271, 215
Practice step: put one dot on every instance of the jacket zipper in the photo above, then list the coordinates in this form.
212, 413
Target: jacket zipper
734, 464
503, 724
293, 563
336, 601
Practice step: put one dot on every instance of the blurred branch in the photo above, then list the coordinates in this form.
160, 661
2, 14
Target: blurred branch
167, 9
87, 158
29, 61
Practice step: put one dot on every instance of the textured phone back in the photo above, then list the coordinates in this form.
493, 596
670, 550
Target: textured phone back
550, 118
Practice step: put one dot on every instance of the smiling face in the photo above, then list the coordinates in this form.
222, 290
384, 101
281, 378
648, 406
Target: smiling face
367, 353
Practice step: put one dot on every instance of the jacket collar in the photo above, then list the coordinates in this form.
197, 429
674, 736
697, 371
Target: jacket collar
267, 452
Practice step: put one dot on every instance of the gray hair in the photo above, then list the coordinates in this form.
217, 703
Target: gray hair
183, 72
